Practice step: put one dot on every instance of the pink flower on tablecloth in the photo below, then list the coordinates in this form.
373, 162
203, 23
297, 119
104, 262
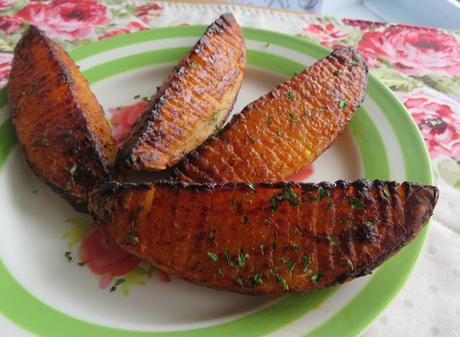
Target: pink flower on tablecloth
438, 117
5, 68
413, 50
104, 257
149, 12
123, 118
4, 4
362, 24
132, 27
328, 34
66, 19
10, 24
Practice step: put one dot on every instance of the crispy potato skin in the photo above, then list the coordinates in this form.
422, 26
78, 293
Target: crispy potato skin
59, 122
287, 129
193, 102
264, 238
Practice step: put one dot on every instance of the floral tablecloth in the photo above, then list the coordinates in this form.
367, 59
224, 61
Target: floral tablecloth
421, 65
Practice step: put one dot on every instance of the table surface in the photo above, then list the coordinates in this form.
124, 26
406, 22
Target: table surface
420, 65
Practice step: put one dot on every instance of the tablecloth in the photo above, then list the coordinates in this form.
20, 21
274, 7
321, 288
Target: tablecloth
421, 66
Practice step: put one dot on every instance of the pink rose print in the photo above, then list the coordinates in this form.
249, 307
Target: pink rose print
149, 12
328, 34
362, 24
413, 50
9, 24
133, 26
4, 4
438, 117
103, 257
66, 19
123, 118
5, 67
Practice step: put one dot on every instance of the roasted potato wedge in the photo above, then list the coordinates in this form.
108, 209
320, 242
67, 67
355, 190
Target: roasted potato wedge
192, 103
280, 133
59, 122
264, 238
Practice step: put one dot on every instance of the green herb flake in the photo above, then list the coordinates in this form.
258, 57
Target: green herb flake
343, 104
68, 255
290, 95
229, 259
73, 169
386, 192
44, 142
306, 259
256, 280
368, 223
251, 186
116, 284
81, 263
344, 222
315, 278
146, 99
350, 265
297, 229
267, 221
239, 281
220, 271
281, 281
67, 186
287, 194
269, 121
242, 258
193, 64
336, 73
278, 132
214, 258
356, 204
333, 240
295, 246
354, 63
212, 233
330, 205
137, 96
312, 198
262, 248
322, 193
292, 119
245, 220
132, 238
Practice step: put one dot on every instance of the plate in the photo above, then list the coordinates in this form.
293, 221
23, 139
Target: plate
45, 294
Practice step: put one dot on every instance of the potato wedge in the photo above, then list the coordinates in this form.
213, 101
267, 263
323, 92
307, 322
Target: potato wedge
59, 122
264, 238
192, 103
280, 133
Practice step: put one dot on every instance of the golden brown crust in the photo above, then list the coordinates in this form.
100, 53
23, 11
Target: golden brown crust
192, 103
264, 238
59, 122
282, 132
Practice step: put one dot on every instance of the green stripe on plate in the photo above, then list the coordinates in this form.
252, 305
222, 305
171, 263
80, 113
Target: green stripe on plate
37, 317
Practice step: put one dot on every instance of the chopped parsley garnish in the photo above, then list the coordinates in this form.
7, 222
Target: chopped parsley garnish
306, 263
67, 186
262, 248
214, 258
345, 222
116, 284
350, 264
212, 233
315, 278
44, 142
132, 238
218, 127
287, 194
336, 73
292, 119
73, 169
269, 121
333, 241
251, 140
242, 258
267, 221
251, 186
81, 263
386, 192
239, 281
193, 64
137, 96
354, 62
229, 259
343, 104
278, 132
290, 95
220, 271
281, 281
297, 229
312, 198
245, 220
295, 246
368, 223
322, 193
256, 280
68, 255
330, 205
356, 204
